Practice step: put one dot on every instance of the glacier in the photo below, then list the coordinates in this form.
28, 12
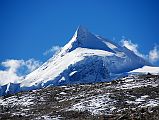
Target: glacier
86, 58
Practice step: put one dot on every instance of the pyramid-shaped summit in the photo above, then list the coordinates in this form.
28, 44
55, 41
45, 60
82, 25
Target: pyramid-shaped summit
85, 39
81, 31
86, 58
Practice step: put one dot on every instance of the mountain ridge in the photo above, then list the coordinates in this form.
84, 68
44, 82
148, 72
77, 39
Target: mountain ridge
81, 60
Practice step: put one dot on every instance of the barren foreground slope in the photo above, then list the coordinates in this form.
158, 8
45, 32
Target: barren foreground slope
130, 98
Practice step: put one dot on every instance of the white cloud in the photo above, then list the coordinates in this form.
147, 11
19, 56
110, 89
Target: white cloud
154, 54
32, 64
132, 46
13, 67
52, 50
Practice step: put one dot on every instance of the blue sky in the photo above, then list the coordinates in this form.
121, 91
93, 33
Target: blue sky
28, 28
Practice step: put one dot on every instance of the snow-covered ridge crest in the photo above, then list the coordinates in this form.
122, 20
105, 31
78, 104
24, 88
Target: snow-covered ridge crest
80, 34
58, 65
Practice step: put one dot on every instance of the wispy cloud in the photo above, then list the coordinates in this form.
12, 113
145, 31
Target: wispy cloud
152, 56
32, 64
132, 46
52, 50
10, 75
13, 72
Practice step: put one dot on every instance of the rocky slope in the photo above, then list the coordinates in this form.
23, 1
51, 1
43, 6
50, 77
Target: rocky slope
135, 97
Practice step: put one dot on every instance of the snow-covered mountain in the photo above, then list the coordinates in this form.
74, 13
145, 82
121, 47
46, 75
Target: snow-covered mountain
146, 70
86, 58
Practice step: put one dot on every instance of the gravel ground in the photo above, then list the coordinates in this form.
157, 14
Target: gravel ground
134, 97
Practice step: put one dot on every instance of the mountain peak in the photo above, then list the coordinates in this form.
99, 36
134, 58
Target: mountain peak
86, 58
81, 34
85, 39
81, 29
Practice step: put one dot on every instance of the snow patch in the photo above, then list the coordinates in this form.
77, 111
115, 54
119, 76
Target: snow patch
96, 105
